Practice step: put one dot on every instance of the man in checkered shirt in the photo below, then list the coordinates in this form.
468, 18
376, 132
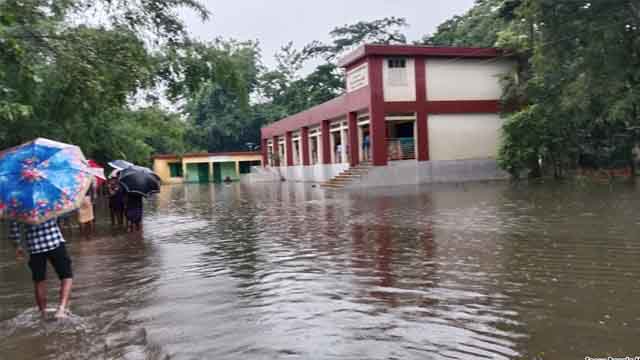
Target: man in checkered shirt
45, 242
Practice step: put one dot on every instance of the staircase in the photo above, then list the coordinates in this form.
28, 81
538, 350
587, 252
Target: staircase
347, 176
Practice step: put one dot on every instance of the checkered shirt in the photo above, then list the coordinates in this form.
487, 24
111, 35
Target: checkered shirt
39, 238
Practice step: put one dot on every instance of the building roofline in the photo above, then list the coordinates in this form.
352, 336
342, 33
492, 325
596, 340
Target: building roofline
205, 154
417, 50
359, 99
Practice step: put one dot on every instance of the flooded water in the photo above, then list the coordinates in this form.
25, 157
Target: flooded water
287, 271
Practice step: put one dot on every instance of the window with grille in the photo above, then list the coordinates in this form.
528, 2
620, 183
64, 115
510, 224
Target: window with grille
397, 63
397, 74
175, 170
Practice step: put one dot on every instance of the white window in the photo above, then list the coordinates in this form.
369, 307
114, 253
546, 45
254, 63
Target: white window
397, 72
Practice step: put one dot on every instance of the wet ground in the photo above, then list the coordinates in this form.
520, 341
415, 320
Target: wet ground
286, 271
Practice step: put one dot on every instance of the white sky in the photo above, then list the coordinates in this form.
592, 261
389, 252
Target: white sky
276, 22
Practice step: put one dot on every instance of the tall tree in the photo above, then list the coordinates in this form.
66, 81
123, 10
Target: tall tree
582, 91
65, 79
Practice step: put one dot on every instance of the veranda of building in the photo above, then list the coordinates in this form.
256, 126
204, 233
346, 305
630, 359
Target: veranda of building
428, 114
205, 167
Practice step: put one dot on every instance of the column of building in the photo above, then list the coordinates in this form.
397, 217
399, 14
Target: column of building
276, 152
288, 143
422, 117
304, 145
377, 123
354, 147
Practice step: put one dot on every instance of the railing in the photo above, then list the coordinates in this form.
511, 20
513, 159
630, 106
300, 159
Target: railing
401, 149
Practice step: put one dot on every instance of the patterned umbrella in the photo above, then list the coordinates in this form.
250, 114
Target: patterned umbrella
41, 180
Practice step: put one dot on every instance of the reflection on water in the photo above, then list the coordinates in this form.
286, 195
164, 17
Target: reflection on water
482, 271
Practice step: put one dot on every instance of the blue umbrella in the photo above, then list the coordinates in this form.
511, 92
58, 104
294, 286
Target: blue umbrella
41, 180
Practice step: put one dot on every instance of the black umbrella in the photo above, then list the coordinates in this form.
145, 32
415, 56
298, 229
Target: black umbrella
139, 180
120, 164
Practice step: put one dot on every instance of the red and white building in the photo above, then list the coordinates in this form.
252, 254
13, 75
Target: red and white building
427, 114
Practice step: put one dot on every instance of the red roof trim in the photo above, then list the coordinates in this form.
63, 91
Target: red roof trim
192, 155
415, 50
330, 110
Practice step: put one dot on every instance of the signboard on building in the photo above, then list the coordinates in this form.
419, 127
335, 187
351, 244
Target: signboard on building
358, 78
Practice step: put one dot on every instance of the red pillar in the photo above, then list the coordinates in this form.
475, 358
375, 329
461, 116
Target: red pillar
354, 147
265, 152
422, 117
276, 151
326, 143
288, 143
304, 139
376, 113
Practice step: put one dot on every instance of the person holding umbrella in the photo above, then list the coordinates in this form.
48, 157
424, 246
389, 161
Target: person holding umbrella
138, 182
40, 181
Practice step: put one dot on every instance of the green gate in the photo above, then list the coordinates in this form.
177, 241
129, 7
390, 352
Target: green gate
217, 175
198, 173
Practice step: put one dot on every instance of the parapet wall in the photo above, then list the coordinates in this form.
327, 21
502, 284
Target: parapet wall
410, 172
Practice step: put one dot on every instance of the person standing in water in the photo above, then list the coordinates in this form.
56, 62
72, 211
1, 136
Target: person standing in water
86, 217
44, 243
116, 201
133, 212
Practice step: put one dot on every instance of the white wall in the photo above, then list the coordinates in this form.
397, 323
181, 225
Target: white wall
397, 92
411, 172
464, 136
312, 173
465, 79
358, 78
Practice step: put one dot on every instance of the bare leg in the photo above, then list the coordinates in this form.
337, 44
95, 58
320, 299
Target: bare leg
41, 296
65, 292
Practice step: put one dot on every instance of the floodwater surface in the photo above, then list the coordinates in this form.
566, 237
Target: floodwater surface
288, 271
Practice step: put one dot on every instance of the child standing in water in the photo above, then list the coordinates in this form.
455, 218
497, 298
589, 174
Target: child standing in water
134, 211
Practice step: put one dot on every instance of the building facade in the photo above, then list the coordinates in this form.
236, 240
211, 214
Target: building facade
205, 167
420, 113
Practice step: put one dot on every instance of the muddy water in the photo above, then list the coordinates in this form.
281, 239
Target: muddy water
484, 271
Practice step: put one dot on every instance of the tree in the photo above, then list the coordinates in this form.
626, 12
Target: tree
582, 79
477, 27
75, 82
348, 37
214, 82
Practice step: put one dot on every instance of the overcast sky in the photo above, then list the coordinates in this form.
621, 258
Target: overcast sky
276, 22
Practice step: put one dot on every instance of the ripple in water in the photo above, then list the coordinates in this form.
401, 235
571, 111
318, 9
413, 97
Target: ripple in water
480, 271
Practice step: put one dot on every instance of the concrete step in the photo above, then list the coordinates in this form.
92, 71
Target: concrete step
332, 186
349, 176
341, 180
356, 171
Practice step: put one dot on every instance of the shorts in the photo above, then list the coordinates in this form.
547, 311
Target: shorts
59, 260
134, 215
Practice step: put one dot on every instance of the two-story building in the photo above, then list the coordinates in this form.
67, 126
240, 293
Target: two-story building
417, 114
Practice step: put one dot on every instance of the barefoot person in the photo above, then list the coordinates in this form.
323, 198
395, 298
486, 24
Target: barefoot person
44, 243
